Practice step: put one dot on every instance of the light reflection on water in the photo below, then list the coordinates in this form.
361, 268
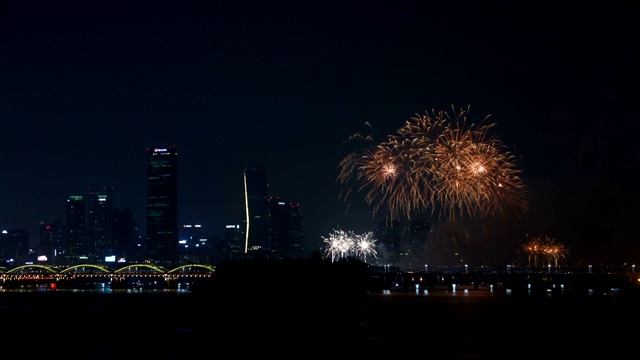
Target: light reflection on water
491, 291
95, 288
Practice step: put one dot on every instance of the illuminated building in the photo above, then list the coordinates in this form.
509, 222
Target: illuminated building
234, 240
52, 242
287, 232
125, 236
14, 247
191, 235
99, 229
162, 206
75, 222
256, 192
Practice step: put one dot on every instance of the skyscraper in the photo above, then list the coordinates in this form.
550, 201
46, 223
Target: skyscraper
99, 229
297, 230
125, 235
75, 222
52, 242
234, 241
281, 236
287, 231
14, 246
256, 191
162, 206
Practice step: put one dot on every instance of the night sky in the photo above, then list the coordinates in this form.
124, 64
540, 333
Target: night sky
86, 87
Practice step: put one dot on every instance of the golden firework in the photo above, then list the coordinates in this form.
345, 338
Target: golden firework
544, 247
436, 163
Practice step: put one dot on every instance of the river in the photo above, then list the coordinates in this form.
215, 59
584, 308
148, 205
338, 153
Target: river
443, 324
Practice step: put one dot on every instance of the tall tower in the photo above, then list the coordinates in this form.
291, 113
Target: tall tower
125, 235
162, 206
77, 249
14, 246
287, 231
52, 242
297, 229
234, 239
99, 230
256, 193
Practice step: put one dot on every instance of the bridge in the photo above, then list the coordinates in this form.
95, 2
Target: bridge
82, 275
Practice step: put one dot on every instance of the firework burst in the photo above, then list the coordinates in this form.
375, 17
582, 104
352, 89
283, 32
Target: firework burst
343, 244
436, 162
364, 246
339, 244
544, 247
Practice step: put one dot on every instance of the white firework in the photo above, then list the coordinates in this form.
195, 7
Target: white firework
339, 244
364, 246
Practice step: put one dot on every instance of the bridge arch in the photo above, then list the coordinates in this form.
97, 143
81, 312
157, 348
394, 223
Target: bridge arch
28, 267
75, 268
134, 267
100, 269
207, 268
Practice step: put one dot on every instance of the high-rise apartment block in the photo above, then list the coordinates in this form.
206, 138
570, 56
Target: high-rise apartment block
95, 231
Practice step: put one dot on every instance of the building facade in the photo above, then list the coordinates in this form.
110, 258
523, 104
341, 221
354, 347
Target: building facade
256, 191
52, 242
77, 248
100, 223
287, 231
14, 247
162, 206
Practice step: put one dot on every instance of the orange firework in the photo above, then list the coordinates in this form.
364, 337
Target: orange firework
437, 162
475, 174
544, 247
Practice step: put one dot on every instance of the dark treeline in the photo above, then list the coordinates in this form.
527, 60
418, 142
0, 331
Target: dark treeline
295, 277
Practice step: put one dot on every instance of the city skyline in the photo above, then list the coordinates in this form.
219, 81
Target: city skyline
87, 87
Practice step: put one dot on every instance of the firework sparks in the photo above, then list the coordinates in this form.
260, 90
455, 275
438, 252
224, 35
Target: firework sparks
364, 246
342, 244
437, 162
339, 244
544, 247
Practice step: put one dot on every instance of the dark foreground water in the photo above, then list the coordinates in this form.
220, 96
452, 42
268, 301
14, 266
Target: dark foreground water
467, 323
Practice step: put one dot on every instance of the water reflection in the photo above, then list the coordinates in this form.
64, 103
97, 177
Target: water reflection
93, 288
